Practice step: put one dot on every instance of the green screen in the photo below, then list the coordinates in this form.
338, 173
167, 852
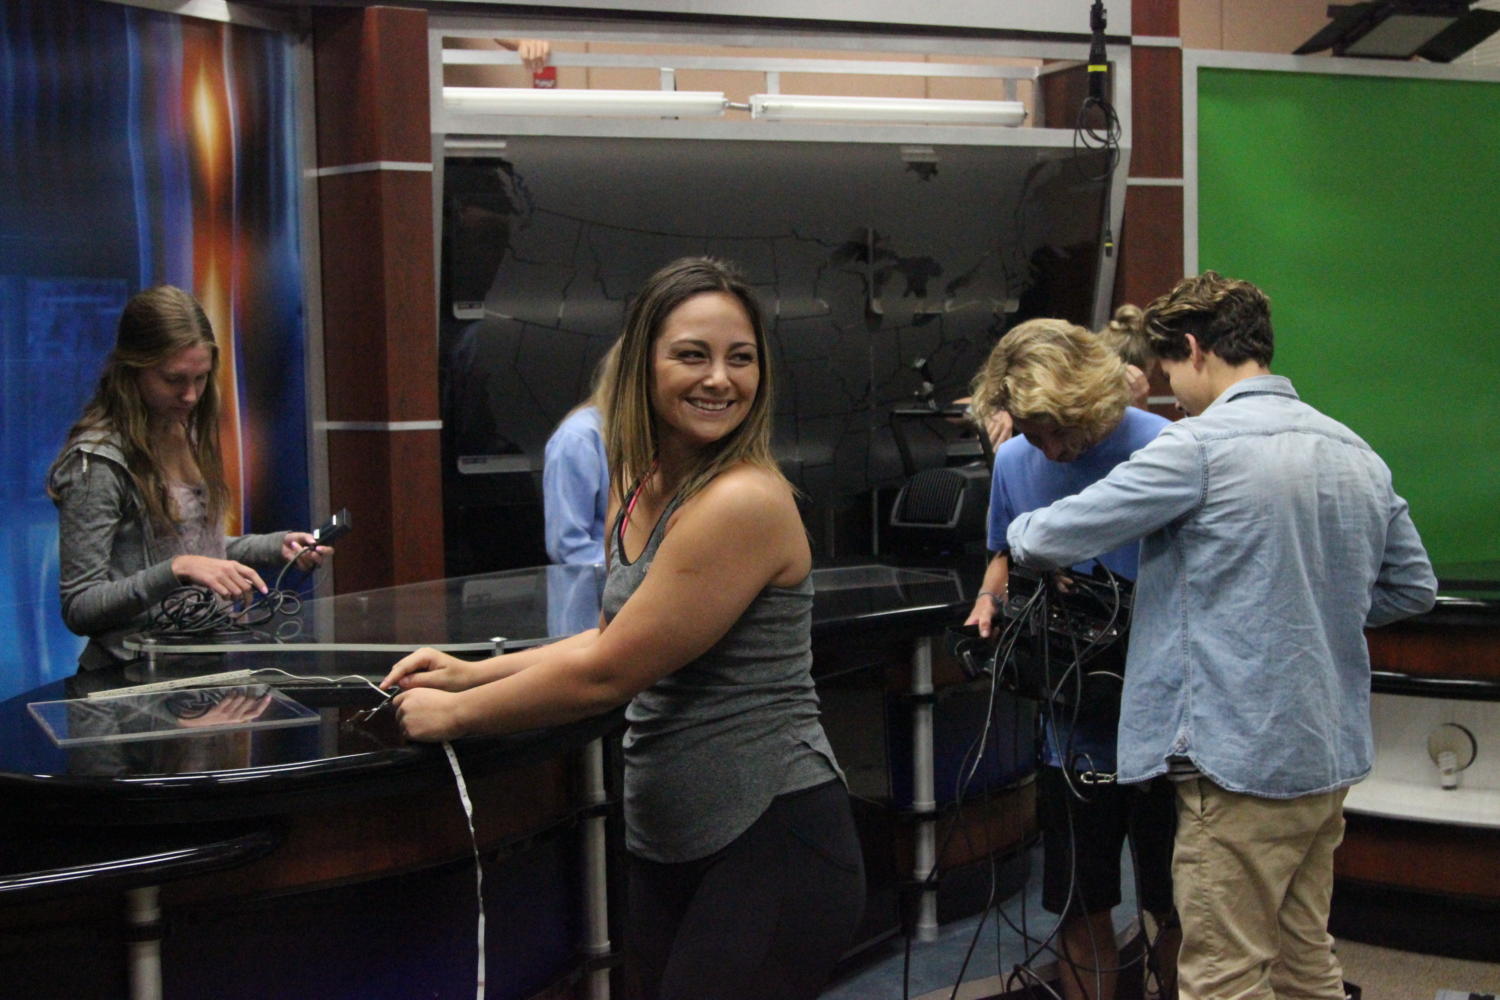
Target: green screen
1368, 209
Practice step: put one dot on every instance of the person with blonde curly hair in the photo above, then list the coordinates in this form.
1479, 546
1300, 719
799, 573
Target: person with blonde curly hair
1068, 396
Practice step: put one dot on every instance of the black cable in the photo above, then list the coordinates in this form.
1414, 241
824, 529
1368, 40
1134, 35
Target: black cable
1036, 615
1038, 612
1097, 126
1003, 655
961, 785
962, 794
1101, 639
195, 612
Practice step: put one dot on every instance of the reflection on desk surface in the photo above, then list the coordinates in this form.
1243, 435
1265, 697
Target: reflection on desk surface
245, 728
525, 607
165, 715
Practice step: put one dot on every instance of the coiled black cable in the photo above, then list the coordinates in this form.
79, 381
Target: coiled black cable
192, 612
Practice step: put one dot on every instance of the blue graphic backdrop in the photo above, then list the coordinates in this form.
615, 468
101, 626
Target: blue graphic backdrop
108, 167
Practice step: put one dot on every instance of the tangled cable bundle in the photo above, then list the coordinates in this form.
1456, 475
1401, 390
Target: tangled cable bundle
197, 613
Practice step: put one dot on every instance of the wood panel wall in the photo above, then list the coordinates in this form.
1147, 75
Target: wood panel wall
379, 317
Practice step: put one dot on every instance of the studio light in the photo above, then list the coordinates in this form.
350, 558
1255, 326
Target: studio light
905, 110
576, 103
711, 104
1435, 30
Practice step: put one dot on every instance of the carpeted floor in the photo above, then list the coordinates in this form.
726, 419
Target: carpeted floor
1380, 973
1386, 974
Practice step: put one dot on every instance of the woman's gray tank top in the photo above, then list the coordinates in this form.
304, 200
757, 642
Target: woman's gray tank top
711, 744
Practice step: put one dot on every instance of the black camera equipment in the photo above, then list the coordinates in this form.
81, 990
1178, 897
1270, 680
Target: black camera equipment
1056, 640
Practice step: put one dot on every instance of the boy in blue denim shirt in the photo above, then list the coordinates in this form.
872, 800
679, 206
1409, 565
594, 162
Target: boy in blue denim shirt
1271, 537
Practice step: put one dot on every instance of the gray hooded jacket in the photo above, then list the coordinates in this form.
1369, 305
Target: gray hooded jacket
114, 569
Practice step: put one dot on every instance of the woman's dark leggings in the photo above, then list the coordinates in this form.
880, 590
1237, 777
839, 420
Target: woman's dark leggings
766, 918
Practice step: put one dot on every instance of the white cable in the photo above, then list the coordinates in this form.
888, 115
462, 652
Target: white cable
463, 794
332, 680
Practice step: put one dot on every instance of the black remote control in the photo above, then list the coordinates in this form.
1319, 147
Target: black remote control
337, 527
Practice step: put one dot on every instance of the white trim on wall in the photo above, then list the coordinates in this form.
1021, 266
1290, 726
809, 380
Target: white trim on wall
380, 425
753, 35
996, 15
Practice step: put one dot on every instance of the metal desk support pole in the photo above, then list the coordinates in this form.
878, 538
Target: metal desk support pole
143, 917
595, 891
924, 801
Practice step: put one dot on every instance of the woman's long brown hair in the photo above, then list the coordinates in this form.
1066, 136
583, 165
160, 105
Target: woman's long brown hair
155, 325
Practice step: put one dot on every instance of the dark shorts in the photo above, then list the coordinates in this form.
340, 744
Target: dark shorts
766, 918
1087, 880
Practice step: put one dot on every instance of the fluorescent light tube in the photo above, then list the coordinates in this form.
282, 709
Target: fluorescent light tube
528, 101
886, 109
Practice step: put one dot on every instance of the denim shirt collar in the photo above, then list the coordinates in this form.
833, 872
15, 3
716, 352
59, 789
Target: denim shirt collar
1256, 385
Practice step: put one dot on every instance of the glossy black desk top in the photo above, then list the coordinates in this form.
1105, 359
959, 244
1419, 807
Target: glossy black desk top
188, 804
526, 607
187, 778
1468, 596
236, 774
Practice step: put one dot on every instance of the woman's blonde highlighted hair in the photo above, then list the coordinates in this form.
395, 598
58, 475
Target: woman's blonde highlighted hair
155, 325
1052, 370
630, 432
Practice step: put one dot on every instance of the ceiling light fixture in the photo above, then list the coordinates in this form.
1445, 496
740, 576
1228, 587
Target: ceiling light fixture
910, 110
712, 104
575, 103
1435, 30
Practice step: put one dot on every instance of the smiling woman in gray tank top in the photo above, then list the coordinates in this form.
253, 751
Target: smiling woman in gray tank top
745, 871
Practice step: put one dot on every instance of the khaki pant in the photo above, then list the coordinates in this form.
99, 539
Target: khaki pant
1252, 879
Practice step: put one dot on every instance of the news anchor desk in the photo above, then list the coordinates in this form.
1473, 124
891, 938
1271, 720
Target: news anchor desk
331, 858
1420, 864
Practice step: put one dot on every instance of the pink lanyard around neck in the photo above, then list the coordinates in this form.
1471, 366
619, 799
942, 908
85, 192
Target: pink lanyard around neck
634, 499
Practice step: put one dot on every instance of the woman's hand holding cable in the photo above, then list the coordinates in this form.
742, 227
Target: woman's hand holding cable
303, 547
428, 715
431, 668
228, 579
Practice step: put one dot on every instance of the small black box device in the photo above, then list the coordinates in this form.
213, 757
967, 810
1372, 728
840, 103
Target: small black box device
337, 527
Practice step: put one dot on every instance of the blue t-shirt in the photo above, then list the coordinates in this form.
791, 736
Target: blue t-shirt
1025, 480
575, 489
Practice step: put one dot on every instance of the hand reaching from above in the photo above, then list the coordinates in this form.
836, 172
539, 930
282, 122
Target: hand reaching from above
983, 615
534, 52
